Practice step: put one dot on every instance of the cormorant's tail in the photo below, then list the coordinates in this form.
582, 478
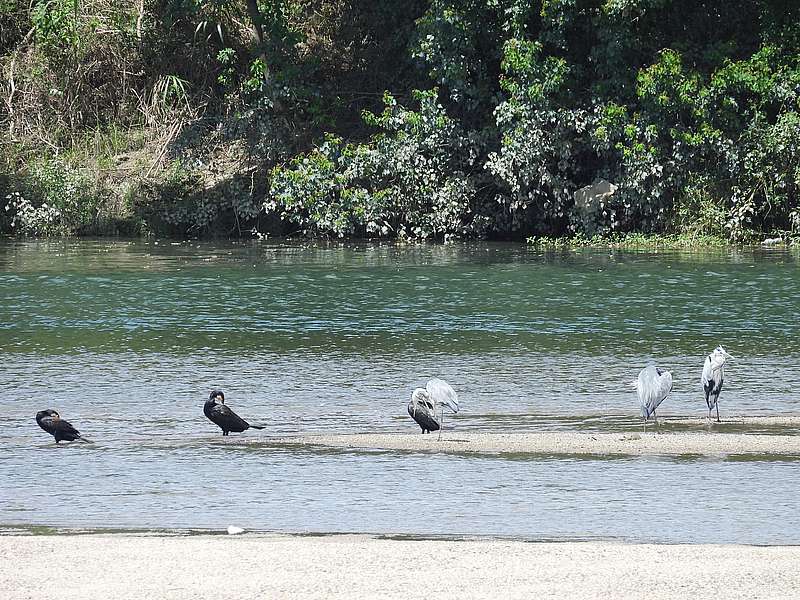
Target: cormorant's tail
85, 440
258, 426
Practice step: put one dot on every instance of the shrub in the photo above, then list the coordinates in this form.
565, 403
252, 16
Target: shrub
412, 180
54, 198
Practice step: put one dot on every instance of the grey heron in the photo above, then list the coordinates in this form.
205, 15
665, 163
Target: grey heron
223, 416
712, 378
653, 385
52, 423
425, 402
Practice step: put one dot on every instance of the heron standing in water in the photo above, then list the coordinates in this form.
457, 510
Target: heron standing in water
425, 402
713, 375
653, 385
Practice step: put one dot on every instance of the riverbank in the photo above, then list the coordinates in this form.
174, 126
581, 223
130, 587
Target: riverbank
216, 567
558, 443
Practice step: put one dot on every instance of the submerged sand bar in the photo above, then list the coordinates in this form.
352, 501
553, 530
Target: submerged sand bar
126, 567
564, 443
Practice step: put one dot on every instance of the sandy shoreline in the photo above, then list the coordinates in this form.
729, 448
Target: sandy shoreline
560, 443
220, 567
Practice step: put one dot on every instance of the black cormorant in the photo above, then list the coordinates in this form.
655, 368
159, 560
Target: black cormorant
52, 423
224, 416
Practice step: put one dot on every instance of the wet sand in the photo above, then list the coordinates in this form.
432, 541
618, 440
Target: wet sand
560, 443
754, 421
123, 567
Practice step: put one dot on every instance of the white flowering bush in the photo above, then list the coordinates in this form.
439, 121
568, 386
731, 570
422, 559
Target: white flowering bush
57, 200
29, 219
411, 181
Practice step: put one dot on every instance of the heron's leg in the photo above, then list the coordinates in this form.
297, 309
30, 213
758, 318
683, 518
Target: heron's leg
718, 411
441, 426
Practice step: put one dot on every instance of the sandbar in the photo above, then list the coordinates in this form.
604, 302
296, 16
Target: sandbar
559, 443
219, 567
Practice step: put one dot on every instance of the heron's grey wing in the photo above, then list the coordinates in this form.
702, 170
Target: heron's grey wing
652, 388
707, 372
644, 383
664, 384
442, 393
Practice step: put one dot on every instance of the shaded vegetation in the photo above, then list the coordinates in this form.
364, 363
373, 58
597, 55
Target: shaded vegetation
418, 120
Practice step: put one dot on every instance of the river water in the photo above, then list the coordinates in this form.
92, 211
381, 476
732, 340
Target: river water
126, 338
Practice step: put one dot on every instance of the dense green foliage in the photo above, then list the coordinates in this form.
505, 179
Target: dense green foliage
421, 120
411, 180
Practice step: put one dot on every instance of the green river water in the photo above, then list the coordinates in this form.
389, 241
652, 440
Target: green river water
126, 338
